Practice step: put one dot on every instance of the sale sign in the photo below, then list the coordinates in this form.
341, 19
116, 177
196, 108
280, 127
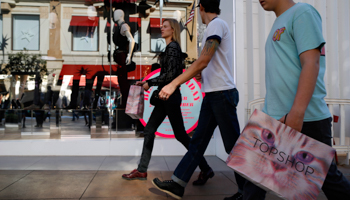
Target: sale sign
192, 98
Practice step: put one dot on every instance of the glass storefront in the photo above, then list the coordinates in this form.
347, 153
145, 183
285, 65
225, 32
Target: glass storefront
63, 72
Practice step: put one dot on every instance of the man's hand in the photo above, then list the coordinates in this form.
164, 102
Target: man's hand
294, 120
199, 77
167, 90
145, 86
306, 85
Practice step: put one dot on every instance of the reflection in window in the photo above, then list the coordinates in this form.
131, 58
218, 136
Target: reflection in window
26, 32
157, 42
1, 32
135, 28
85, 33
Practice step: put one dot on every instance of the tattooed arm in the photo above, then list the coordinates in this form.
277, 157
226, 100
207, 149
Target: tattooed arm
207, 53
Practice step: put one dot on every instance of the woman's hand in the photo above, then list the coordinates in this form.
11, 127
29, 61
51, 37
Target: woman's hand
199, 77
145, 86
167, 90
140, 83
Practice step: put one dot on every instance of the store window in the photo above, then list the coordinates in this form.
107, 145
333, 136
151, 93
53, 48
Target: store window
157, 42
135, 26
26, 32
85, 33
1, 39
135, 29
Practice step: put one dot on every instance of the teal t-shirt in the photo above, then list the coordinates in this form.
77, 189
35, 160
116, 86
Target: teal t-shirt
295, 31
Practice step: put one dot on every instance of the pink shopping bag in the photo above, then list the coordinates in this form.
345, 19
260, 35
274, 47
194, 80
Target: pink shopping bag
277, 158
135, 103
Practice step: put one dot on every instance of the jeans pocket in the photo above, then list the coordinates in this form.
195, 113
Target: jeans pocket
232, 97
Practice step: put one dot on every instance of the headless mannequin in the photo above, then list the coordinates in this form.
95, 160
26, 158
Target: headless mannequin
125, 43
118, 17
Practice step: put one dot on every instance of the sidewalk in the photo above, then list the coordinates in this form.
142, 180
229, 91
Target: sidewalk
93, 178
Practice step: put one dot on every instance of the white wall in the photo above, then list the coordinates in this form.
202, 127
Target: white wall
226, 14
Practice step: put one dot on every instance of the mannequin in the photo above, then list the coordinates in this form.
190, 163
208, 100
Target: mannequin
124, 31
122, 55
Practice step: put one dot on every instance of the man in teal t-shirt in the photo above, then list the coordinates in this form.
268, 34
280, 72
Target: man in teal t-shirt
294, 32
295, 90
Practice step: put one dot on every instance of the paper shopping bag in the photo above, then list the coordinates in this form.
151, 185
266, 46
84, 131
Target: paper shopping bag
135, 103
277, 158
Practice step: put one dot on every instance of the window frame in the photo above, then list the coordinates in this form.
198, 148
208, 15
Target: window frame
98, 36
2, 31
13, 27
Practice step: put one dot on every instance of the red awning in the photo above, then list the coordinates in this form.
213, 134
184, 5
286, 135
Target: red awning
131, 19
141, 71
135, 19
91, 70
155, 23
84, 21
105, 83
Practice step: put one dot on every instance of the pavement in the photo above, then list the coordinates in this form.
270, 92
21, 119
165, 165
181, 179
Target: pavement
99, 177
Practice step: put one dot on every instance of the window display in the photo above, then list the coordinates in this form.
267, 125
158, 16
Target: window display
1, 37
66, 74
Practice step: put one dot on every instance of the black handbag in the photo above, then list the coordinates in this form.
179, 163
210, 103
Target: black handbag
131, 67
155, 98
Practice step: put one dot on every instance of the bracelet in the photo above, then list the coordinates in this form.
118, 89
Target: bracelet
285, 119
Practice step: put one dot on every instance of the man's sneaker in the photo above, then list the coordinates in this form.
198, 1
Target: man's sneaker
170, 187
32, 107
203, 177
135, 174
237, 196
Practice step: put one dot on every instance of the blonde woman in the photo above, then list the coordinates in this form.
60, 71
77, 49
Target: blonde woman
171, 67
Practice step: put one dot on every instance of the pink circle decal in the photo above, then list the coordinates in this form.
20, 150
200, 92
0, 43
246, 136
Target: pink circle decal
192, 98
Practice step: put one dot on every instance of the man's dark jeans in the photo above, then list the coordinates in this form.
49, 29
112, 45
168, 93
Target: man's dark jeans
336, 186
172, 109
218, 109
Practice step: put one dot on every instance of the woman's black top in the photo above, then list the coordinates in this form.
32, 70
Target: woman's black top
170, 66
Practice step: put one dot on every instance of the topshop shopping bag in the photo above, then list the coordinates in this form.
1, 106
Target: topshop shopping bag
135, 103
277, 158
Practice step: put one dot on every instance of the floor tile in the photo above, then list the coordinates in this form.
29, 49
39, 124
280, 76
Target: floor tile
62, 172
112, 185
173, 161
48, 186
68, 163
15, 172
124, 163
230, 175
214, 162
158, 163
18, 162
7, 180
128, 163
54, 199
99, 178
217, 164
218, 185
